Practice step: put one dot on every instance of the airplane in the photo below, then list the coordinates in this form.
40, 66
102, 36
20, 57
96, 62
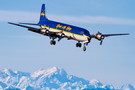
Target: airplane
59, 30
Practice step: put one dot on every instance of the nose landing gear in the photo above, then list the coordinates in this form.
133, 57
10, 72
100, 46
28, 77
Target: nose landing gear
79, 45
84, 48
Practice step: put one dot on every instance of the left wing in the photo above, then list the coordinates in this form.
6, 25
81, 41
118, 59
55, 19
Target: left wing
29, 28
43, 31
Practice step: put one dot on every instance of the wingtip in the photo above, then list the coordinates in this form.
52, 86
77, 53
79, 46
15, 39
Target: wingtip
127, 34
9, 22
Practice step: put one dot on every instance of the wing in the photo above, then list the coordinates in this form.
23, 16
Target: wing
37, 30
107, 35
29, 28
99, 36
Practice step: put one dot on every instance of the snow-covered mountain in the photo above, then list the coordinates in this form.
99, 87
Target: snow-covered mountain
50, 79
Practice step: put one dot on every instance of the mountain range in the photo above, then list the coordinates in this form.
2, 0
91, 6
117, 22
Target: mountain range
51, 79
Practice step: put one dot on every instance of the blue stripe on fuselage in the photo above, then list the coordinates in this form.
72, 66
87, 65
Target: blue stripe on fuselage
64, 27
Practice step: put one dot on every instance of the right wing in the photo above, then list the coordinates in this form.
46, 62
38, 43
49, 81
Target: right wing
107, 35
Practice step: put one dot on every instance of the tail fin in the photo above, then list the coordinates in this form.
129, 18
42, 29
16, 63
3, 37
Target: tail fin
42, 14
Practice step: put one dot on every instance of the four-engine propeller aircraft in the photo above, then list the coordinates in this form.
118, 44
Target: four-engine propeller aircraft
60, 30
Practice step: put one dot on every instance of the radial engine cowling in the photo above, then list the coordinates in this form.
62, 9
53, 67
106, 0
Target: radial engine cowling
44, 31
99, 36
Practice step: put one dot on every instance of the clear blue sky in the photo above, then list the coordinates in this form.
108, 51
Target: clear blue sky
112, 63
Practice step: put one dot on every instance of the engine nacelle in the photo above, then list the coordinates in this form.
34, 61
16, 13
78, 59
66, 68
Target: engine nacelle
99, 36
44, 31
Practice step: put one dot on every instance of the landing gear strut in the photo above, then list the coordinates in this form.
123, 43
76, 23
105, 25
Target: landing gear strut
52, 42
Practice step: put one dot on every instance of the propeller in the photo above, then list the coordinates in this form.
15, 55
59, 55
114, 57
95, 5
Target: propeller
45, 31
101, 42
100, 37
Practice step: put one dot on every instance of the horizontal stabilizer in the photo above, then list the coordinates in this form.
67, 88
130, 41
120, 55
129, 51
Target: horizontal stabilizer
30, 24
36, 29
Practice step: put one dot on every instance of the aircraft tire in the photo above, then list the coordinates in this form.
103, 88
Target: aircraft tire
51, 42
54, 42
84, 48
77, 44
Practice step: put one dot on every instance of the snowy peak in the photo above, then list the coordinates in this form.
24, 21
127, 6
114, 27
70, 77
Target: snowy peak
127, 87
57, 70
8, 72
51, 71
95, 82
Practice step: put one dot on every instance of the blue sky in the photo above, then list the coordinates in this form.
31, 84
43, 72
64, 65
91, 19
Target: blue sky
111, 63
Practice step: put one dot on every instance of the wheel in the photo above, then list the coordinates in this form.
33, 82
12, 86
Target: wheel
54, 42
84, 48
79, 44
51, 42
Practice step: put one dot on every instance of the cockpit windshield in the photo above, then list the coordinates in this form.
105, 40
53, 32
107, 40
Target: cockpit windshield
86, 33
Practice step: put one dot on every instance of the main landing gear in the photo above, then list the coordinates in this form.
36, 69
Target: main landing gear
52, 42
79, 45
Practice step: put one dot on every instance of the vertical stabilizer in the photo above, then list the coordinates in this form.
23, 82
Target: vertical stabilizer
42, 14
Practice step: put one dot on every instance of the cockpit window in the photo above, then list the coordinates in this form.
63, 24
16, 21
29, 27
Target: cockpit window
86, 33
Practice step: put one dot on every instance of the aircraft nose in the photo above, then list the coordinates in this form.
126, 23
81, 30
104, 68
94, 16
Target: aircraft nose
89, 38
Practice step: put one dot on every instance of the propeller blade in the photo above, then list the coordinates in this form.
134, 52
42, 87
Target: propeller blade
101, 42
60, 38
99, 33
